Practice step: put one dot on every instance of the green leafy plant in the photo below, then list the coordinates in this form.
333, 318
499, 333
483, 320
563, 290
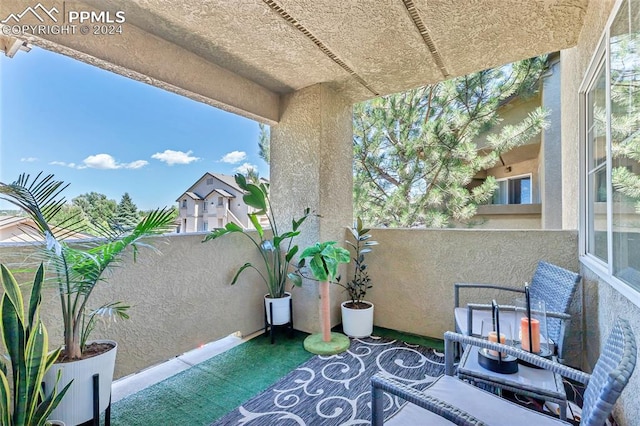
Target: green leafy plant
79, 269
324, 260
27, 343
277, 251
360, 282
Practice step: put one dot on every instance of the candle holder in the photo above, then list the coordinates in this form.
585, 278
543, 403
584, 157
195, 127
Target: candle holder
497, 362
531, 322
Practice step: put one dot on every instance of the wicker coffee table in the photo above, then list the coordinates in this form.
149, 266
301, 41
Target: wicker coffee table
528, 381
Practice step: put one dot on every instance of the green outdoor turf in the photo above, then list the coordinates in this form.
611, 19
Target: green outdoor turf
206, 392
211, 389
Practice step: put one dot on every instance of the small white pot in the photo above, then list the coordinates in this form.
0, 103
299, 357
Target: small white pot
281, 313
357, 322
77, 404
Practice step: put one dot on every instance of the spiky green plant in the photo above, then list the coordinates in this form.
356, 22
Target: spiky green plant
27, 343
78, 269
277, 251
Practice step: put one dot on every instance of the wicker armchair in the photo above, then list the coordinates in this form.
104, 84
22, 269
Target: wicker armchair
452, 401
551, 283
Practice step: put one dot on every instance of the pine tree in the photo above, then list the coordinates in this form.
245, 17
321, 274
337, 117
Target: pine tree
264, 145
415, 152
126, 213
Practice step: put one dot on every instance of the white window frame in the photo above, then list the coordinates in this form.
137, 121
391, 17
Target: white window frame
530, 176
604, 270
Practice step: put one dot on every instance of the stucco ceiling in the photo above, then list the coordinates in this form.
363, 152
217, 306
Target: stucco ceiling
362, 47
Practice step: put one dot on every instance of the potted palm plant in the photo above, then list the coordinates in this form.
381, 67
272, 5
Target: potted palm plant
77, 271
357, 314
276, 250
25, 402
324, 260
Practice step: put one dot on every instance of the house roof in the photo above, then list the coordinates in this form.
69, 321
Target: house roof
221, 192
362, 52
191, 195
22, 228
8, 221
229, 180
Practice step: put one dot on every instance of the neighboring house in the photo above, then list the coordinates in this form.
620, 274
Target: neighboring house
529, 195
211, 202
19, 229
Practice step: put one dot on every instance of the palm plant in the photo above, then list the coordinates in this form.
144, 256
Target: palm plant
277, 251
78, 269
27, 343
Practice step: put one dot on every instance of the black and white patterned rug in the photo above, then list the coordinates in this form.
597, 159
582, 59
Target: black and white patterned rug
335, 390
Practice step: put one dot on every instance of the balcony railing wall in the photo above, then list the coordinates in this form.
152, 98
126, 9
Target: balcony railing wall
182, 298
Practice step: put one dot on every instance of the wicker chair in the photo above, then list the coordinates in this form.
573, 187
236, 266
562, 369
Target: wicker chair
452, 401
552, 284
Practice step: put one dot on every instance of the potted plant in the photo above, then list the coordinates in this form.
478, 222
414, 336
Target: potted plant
276, 250
325, 258
25, 402
357, 314
76, 272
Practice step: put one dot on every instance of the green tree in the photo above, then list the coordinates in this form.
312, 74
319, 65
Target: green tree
126, 215
72, 217
97, 208
415, 152
264, 145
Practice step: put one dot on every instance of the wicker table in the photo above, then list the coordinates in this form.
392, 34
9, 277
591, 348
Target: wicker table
532, 382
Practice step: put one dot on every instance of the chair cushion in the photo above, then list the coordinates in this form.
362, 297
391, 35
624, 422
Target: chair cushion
484, 406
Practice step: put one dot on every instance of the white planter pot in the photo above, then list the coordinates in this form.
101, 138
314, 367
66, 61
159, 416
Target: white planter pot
357, 322
77, 404
281, 313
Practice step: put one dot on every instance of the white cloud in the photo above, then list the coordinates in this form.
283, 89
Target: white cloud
245, 167
62, 163
234, 157
102, 162
28, 159
136, 164
175, 157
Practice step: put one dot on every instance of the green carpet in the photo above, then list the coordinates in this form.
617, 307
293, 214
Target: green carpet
206, 392
213, 388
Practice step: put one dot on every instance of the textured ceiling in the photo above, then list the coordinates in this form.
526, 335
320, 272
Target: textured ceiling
374, 47
363, 47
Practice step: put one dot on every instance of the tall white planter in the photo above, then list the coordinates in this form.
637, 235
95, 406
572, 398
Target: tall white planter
357, 322
77, 404
281, 312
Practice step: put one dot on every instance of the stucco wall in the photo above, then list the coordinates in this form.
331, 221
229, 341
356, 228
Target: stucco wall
180, 299
311, 166
602, 306
413, 272
602, 303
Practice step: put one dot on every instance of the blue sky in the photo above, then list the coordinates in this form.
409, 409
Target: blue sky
103, 132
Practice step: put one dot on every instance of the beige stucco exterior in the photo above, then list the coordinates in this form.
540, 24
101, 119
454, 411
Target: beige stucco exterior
602, 303
182, 298
299, 66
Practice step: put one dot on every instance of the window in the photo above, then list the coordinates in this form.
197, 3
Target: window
611, 129
516, 190
205, 226
184, 203
204, 206
209, 181
220, 201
